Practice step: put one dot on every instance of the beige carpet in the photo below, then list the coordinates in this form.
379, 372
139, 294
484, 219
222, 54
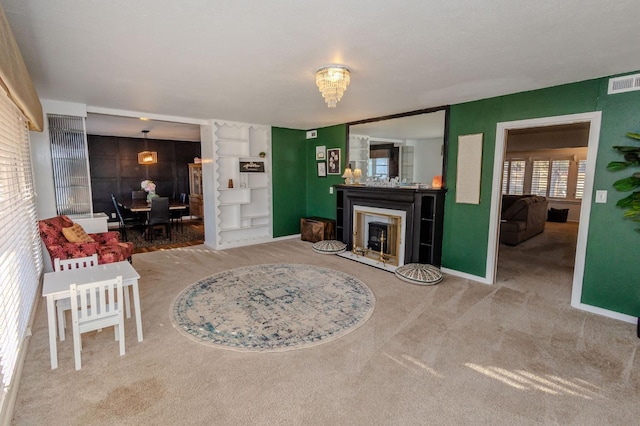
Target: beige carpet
456, 353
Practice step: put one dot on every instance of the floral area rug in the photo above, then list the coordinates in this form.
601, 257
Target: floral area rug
273, 307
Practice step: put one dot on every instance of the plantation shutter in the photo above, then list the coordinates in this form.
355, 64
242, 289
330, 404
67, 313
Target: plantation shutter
20, 254
516, 177
540, 177
505, 177
559, 178
582, 174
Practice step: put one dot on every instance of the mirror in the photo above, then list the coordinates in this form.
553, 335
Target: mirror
410, 146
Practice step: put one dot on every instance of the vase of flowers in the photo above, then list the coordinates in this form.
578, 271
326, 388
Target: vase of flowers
150, 187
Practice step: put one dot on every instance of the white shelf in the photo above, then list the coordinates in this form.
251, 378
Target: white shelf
243, 212
237, 203
255, 216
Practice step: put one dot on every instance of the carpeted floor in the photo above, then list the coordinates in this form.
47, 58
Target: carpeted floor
455, 353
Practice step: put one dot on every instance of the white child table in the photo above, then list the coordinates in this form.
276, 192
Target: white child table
56, 286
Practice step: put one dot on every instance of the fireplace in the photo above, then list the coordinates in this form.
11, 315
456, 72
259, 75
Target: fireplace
377, 237
388, 227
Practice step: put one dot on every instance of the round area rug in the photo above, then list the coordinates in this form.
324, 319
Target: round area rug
273, 307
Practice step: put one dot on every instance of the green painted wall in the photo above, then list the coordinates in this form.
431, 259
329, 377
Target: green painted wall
289, 169
319, 201
611, 278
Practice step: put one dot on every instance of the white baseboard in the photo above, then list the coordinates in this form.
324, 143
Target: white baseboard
464, 275
605, 312
286, 237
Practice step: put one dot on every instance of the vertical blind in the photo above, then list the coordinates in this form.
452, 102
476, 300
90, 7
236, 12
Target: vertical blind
20, 255
69, 155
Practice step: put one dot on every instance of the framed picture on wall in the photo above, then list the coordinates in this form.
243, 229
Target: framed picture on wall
333, 160
322, 169
321, 152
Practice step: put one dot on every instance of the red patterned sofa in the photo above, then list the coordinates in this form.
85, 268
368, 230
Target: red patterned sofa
106, 244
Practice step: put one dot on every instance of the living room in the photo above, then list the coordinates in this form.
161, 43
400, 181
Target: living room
470, 232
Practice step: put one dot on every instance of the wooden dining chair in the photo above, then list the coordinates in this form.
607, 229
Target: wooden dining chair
95, 306
63, 305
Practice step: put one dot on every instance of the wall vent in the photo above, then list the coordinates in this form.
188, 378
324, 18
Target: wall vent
627, 83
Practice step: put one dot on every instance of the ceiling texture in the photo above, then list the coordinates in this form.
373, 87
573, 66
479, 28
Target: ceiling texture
254, 61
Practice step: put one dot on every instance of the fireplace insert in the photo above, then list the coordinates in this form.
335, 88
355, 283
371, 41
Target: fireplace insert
376, 231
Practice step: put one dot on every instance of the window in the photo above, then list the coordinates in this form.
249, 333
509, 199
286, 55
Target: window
379, 168
582, 174
20, 256
515, 185
540, 178
70, 164
559, 179
505, 176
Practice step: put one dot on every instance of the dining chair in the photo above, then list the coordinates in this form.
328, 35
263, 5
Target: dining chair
138, 195
63, 305
176, 214
159, 216
127, 221
95, 306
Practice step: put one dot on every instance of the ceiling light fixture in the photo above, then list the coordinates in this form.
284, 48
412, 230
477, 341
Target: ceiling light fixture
146, 156
333, 80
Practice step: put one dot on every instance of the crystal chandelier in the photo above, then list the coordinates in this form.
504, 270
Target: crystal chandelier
333, 80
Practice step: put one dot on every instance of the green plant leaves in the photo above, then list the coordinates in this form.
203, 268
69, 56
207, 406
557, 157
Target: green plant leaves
628, 200
633, 135
631, 156
627, 184
614, 166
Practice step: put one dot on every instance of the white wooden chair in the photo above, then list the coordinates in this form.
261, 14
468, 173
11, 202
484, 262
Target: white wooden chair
95, 306
63, 305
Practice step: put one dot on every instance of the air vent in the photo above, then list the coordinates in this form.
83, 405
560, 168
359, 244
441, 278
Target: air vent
627, 83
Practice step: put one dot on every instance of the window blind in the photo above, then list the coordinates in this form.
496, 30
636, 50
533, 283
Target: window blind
20, 254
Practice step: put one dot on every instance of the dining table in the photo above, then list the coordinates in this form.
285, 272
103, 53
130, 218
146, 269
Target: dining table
139, 206
56, 284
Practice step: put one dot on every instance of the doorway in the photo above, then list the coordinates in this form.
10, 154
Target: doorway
593, 120
542, 191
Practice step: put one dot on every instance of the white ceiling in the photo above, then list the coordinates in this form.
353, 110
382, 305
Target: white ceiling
254, 60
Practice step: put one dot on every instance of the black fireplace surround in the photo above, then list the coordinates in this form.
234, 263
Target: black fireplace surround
424, 211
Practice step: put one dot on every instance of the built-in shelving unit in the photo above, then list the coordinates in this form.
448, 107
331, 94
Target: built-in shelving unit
243, 198
359, 153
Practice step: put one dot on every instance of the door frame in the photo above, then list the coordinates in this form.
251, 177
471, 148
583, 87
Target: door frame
594, 119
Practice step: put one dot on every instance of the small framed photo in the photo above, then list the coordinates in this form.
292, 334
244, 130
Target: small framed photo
322, 169
333, 160
321, 152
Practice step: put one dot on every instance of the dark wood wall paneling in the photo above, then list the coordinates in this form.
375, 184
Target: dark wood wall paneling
115, 170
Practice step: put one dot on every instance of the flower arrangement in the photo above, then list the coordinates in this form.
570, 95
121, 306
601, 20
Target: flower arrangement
148, 185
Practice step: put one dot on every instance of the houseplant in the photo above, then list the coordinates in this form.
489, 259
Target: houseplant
631, 159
